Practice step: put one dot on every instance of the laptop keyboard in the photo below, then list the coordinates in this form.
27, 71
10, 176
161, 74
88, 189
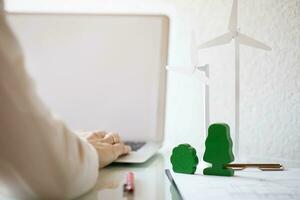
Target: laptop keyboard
135, 145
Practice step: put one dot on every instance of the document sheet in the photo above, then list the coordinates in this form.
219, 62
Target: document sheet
247, 185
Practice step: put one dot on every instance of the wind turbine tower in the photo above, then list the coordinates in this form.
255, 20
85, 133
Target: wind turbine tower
191, 69
239, 38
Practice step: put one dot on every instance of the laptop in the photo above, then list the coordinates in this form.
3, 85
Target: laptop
101, 72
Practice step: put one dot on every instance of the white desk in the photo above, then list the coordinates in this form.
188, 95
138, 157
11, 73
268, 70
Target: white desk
152, 184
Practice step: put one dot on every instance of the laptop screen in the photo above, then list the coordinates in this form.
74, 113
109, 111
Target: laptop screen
99, 72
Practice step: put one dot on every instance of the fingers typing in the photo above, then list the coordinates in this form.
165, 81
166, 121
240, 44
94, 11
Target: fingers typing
111, 138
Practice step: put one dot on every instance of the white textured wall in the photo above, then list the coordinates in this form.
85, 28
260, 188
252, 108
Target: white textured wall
270, 81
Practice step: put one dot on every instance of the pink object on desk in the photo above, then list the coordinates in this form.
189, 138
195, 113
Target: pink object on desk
129, 185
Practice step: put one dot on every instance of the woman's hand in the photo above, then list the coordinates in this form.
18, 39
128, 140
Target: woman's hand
108, 145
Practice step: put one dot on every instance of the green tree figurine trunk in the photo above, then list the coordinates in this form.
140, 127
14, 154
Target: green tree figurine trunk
218, 150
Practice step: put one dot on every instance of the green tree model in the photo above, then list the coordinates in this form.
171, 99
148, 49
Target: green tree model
218, 150
184, 159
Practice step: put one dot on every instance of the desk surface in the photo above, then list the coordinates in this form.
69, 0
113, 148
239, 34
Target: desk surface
150, 181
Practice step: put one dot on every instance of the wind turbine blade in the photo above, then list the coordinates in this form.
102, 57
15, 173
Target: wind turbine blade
182, 70
223, 39
194, 50
248, 41
233, 17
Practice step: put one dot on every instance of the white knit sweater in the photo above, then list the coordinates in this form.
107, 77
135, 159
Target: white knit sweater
40, 158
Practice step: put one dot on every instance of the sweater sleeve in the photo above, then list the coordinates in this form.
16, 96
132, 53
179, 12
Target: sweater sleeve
40, 158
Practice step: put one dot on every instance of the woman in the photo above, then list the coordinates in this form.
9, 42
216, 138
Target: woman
40, 158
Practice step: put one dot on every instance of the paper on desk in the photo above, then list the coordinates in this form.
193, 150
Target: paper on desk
245, 185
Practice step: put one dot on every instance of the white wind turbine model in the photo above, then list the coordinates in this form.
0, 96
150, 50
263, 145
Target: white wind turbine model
238, 38
195, 66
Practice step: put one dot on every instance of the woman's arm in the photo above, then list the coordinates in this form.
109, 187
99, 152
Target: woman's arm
39, 156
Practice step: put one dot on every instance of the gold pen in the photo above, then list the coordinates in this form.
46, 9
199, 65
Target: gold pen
261, 166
